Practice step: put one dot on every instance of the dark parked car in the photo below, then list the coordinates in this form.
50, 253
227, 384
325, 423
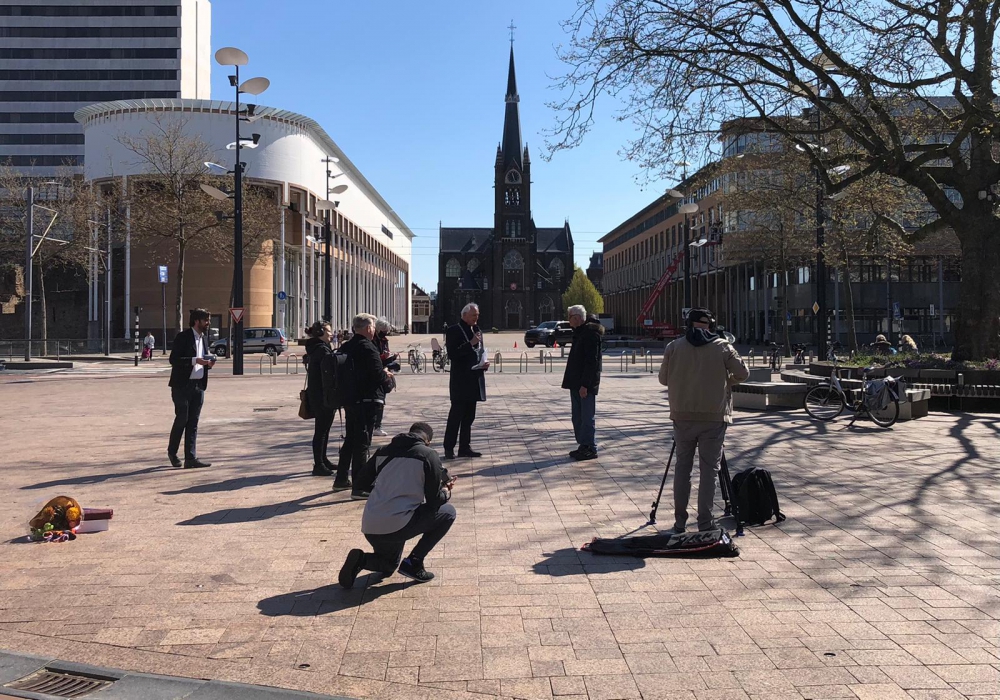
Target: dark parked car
549, 333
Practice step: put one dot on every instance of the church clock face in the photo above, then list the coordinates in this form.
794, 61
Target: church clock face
513, 177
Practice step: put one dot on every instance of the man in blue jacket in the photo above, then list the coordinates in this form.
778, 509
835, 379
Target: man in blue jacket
409, 499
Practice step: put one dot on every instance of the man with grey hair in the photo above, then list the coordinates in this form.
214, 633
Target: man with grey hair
583, 379
467, 384
362, 400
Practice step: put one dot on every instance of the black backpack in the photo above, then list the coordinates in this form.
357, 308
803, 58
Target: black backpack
338, 381
754, 497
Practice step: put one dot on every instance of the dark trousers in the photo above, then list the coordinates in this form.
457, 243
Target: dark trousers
378, 416
459, 428
431, 526
359, 422
188, 401
321, 435
582, 412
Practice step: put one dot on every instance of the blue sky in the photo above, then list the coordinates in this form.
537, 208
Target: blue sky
413, 93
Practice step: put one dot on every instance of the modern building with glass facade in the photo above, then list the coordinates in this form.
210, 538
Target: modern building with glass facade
57, 56
371, 245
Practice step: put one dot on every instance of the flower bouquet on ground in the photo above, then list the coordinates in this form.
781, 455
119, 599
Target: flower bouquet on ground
62, 518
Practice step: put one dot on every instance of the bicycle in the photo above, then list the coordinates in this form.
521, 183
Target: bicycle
879, 399
800, 354
415, 358
774, 357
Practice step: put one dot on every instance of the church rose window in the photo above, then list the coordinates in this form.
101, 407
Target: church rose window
473, 264
513, 261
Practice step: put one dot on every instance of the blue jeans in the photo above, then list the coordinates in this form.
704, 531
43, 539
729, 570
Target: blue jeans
584, 424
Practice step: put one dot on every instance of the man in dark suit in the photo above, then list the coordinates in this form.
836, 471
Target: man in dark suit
467, 384
189, 365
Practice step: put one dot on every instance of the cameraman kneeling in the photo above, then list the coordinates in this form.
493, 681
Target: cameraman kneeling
410, 498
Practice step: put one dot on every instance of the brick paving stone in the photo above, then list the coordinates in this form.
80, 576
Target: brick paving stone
230, 572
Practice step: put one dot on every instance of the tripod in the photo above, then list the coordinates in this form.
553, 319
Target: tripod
725, 485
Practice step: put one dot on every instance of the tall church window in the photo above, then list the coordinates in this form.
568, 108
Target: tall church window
453, 269
546, 309
556, 268
512, 228
512, 197
473, 264
513, 261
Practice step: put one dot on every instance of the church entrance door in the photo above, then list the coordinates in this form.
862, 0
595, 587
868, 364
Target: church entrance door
513, 309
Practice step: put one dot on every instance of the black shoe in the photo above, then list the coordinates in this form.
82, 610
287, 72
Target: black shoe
341, 486
351, 568
175, 461
363, 496
448, 454
413, 569
586, 453
472, 454
321, 470
196, 464
575, 454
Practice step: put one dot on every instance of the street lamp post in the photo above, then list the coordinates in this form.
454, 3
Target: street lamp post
28, 254
687, 210
234, 57
328, 238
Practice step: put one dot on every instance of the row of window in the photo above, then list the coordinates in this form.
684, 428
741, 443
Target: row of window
37, 118
88, 11
81, 95
42, 161
513, 260
40, 139
89, 32
85, 54
512, 228
88, 75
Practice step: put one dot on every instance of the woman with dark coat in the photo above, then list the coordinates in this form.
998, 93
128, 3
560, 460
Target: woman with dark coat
318, 348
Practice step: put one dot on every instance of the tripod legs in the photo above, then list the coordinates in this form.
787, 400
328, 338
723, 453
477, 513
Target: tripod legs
656, 503
726, 485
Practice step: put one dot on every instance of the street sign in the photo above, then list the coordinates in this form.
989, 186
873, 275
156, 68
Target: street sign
237, 315
788, 315
932, 309
897, 313
282, 296
163, 274
815, 307
281, 307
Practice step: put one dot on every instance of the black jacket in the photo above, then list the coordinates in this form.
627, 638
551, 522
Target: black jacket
411, 446
583, 367
368, 371
317, 351
182, 353
465, 383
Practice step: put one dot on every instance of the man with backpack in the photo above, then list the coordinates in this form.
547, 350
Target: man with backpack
358, 376
409, 499
699, 371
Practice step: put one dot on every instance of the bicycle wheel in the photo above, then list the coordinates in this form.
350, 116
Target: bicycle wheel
823, 402
887, 416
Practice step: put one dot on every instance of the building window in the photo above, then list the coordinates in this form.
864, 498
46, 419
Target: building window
89, 32
512, 197
453, 269
81, 95
88, 11
513, 261
37, 118
513, 228
546, 309
40, 139
473, 264
556, 268
77, 54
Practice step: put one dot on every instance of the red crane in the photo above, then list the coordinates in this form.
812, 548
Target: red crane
664, 329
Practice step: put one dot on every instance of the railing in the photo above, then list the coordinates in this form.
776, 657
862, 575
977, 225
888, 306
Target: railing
58, 347
498, 362
523, 358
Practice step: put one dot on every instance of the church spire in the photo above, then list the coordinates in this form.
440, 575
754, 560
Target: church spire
512, 120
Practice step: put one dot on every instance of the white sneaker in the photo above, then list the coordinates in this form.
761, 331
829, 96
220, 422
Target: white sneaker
381, 433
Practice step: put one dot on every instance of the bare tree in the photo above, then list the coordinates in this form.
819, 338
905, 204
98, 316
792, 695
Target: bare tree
910, 86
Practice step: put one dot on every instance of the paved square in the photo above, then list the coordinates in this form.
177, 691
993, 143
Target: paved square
884, 582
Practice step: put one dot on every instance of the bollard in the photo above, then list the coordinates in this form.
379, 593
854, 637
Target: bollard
562, 350
541, 357
633, 357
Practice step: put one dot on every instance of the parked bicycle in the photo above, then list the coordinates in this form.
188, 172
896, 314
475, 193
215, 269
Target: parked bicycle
439, 356
879, 399
774, 357
800, 353
415, 358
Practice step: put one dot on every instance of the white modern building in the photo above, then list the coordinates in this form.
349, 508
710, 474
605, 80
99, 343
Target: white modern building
371, 251
57, 56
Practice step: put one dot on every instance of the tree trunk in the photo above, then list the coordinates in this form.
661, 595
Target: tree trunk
976, 334
179, 309
784, 301
852, 334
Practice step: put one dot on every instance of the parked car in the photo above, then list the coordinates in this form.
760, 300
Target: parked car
549, 333
269, 340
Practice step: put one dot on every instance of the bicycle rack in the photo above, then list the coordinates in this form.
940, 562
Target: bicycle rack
498, 362
547, 364
523, 358
753, 360
650, 364
260, 364
288, 359
622, 361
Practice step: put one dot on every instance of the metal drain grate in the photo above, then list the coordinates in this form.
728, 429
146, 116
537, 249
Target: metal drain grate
264, 410
60, 684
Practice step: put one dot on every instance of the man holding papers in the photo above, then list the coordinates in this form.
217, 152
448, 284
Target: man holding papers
467, 386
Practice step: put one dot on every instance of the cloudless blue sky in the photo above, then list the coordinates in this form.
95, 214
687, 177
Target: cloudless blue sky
414, 94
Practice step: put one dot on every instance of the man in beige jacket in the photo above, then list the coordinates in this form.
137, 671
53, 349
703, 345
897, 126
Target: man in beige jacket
698, 371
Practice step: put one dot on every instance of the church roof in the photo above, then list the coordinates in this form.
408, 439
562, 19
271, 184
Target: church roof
511, 148
465, 240
554, 240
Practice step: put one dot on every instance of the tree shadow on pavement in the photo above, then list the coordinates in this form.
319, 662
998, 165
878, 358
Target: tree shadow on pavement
96, 478
252, 514
573, 562
236, 484
327, 599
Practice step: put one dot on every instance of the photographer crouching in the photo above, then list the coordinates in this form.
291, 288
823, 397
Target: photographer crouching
409, 499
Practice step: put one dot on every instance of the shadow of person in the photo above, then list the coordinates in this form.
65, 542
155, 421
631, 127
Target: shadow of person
96, 478
573, 562
327, 599
236, 483
256, 513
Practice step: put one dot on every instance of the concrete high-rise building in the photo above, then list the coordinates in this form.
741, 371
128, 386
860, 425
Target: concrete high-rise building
57, 56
